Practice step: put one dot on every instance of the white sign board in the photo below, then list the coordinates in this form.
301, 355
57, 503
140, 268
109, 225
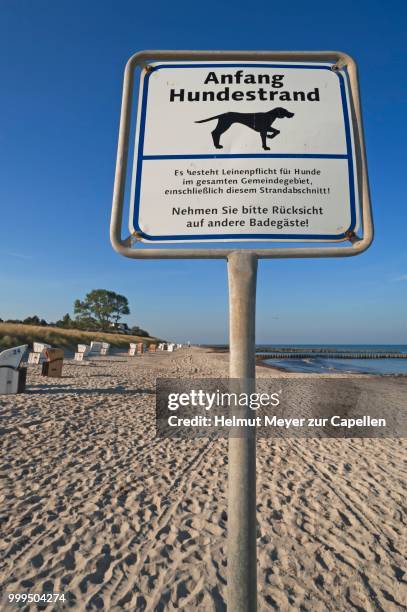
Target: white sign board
232, 151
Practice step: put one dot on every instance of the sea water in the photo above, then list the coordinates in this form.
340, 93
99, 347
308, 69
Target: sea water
322, 365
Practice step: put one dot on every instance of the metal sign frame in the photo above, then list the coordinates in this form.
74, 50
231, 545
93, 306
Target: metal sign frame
141, 60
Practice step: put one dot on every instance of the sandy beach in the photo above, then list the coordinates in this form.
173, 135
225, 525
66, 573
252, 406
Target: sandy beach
95, 506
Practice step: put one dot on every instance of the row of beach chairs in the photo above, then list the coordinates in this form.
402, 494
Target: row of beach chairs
171, 346
138, 348
13, 375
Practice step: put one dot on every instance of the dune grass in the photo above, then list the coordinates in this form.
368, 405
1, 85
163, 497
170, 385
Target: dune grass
14, 334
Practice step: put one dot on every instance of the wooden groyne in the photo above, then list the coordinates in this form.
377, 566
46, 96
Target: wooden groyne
328, 355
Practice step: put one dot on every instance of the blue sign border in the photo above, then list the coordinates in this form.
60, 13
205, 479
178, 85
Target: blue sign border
252, 237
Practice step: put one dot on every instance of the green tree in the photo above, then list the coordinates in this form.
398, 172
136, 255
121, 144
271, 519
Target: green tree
137, 331
34, 320
100, 309
65, 322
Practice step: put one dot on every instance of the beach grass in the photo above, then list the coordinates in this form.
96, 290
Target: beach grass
15, 334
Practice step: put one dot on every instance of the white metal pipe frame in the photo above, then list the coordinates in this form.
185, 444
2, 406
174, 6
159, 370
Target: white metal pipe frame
242, 273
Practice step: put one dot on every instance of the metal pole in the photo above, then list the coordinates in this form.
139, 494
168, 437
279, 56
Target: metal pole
242, 562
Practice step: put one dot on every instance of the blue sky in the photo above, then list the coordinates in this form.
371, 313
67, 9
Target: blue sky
62, 67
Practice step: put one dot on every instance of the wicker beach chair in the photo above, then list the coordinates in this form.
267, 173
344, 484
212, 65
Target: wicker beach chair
54, 361
132, 349
95, 347
12, 375
82, 352
38, 353
105, 348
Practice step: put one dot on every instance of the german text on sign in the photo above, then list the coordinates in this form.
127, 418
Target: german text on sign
244, 151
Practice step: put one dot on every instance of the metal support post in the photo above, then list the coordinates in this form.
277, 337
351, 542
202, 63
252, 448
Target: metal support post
242, 561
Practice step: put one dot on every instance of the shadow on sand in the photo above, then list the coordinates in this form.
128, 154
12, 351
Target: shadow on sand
67, 390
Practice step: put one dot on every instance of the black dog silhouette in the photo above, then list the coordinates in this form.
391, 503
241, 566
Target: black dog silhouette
260, 122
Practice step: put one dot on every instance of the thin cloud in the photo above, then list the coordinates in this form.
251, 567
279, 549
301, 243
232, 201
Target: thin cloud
403, 277
18, 255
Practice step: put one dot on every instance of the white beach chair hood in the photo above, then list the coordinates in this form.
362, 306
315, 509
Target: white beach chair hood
11, 358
